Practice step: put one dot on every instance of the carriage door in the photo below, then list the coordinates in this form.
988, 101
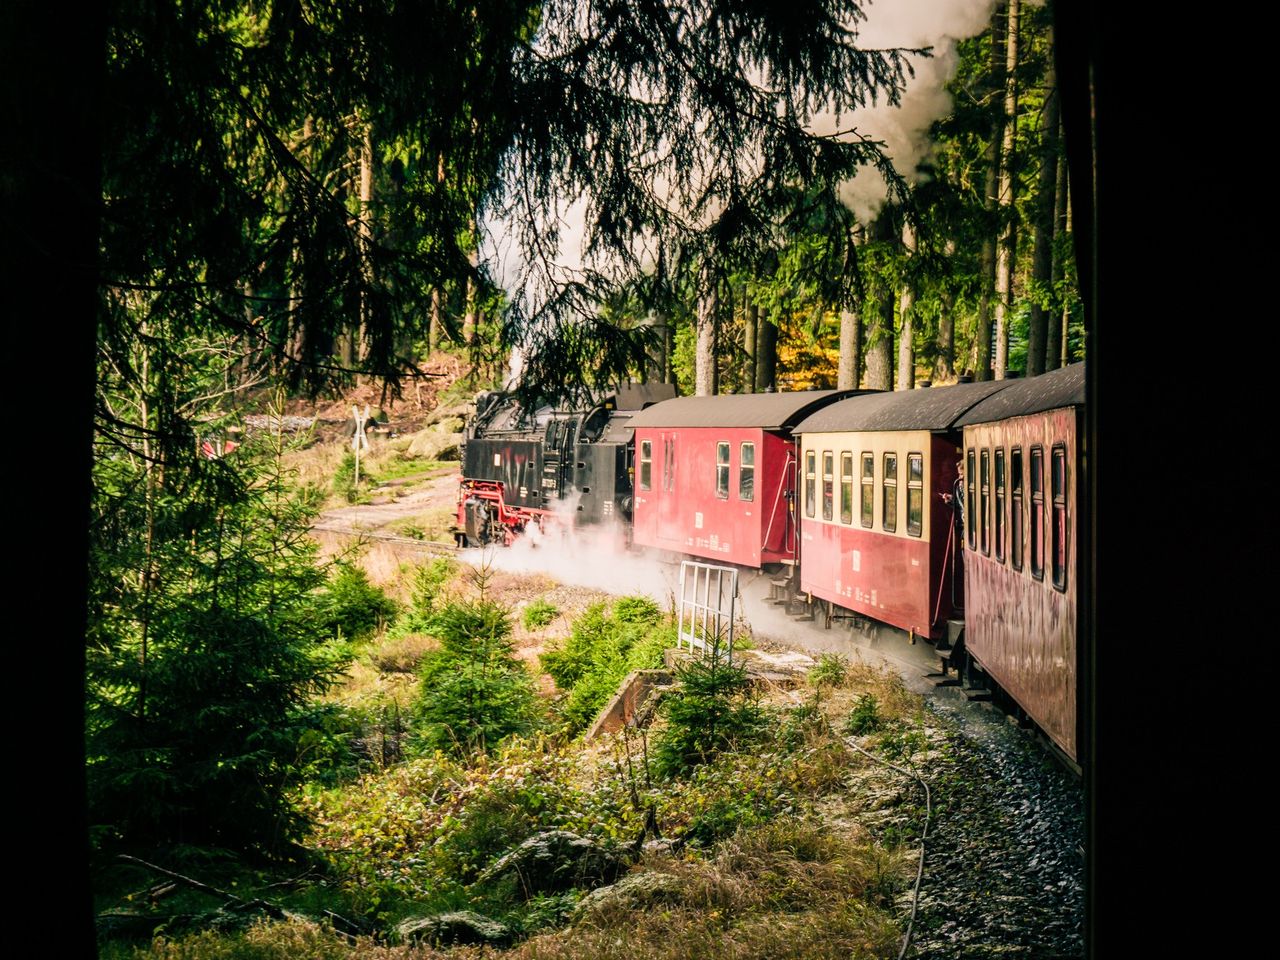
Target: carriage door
670, 527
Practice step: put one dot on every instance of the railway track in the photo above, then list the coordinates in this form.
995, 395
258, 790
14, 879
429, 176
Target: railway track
433, 547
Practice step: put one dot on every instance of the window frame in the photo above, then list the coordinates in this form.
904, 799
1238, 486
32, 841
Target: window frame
746, 471
915, 491
1000, 500
1058, 517
722, 485
846, 487
867, 481
810, 482
1036, 526
1017, 509
889, 484
646, 465
971, 494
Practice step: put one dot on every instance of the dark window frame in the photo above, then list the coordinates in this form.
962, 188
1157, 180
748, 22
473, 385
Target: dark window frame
646, 464
984, 500
1058, 548
1000, 501
1037, 512
722, 486
1017, 508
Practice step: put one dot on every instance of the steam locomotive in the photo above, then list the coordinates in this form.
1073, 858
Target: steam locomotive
947, 512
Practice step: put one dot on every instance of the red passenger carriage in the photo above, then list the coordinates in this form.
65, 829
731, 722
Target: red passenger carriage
876, 522
715, 476
1022, 455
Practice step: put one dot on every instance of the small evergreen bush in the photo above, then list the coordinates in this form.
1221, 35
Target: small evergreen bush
539, 613
707, 714
475, 694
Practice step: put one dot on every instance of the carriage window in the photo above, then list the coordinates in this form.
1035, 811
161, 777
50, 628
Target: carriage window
984, 493
970, 511
868, 490
747, 472
915, 494
646, 464
809, 492
722, 470
1058, 529
828, 483
1037, 513
889, 517
1015, 507
1000, 500
846, 488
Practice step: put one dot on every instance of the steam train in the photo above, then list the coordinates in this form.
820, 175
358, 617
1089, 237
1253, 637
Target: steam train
947, 512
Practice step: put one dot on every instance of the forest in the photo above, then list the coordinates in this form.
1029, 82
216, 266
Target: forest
298, 198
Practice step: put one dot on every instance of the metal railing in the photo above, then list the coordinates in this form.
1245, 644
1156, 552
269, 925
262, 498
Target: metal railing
707, 601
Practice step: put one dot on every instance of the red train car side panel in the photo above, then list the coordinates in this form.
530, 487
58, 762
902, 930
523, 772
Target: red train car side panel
701, 502
1019, 624
900, 580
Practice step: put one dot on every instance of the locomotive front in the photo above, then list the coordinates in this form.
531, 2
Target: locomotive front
547, 466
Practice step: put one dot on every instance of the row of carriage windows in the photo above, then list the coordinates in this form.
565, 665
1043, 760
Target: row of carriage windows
990, 484
746, 468
866, 483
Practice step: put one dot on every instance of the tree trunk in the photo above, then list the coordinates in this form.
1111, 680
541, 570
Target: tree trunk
980, 347
944, 368
705, 357
906, 341
1005, 248
1042, 257
360, 348
1053, 350
850, 349
1065, 357
766, 354
750, 321
879, 310
437, 322
668, 369
849, 367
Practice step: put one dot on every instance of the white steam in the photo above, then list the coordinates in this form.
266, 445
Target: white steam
904, 129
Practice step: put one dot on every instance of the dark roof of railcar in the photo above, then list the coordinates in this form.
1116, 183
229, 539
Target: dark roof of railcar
930, 408
1049, 391
768, 411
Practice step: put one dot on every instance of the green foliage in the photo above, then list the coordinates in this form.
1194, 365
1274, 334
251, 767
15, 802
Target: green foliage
344, 479
539, 613
607, 643
428, 590
865, 716
707, 714
204, 650
351, 607
475, 694
831, 670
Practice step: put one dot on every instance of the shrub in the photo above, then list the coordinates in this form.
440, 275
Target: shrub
351, 607
344, 478
427, 592
865, 716
605, 645
707, 714
831, 670
475, 694
539, 613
